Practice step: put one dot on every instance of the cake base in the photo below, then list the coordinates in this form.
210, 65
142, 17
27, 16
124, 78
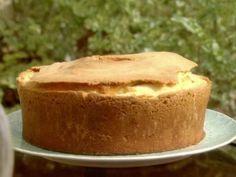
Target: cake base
69, 121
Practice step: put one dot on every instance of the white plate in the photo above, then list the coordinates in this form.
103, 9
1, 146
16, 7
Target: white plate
220, 130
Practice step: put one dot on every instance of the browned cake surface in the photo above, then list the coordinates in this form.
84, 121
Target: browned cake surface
117, 104
116, 69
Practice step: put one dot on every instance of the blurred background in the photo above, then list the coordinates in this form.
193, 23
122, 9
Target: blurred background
34, 32
41, 32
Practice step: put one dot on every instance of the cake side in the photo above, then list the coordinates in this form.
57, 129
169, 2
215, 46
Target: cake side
71, 121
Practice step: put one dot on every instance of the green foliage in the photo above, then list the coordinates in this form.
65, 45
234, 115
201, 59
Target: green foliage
40, 32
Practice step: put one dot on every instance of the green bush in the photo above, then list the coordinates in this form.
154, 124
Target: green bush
41, 32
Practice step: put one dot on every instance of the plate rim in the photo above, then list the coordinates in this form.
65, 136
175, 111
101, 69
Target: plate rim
123, 158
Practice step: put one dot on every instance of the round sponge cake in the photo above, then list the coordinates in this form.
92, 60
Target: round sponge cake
114, 104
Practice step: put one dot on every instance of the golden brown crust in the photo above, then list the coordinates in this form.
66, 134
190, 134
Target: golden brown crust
70, 121
61, 113
148, 67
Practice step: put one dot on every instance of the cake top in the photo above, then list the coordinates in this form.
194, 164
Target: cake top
148, 67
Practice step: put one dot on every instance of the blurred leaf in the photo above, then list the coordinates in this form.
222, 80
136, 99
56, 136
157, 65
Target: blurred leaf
47, 31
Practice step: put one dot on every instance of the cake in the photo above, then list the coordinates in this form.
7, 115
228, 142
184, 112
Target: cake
114, 104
